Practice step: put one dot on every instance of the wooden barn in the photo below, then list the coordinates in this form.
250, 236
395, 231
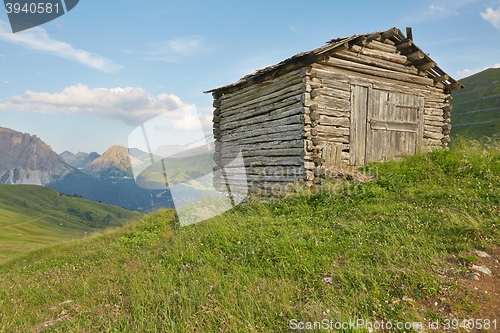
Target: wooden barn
355, 100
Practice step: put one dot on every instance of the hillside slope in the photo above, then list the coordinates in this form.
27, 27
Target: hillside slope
397, 248
32, 217
476, 108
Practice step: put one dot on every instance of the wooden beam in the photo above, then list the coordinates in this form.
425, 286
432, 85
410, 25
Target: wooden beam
404, 44
390, 33
409, 33
441, 78
418, 55
426, 66
374, 36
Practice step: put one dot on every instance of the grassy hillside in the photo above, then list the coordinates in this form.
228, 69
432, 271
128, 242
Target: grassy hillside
33, 216
388, 249
478, 102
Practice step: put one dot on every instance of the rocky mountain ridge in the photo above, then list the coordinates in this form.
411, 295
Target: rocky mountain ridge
26, 159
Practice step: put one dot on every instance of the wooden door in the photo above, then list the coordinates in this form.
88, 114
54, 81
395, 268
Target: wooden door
393, 125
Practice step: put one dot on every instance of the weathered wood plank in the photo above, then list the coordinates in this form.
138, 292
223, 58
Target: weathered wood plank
269, 161
294, 126
284, 136
249, 112
377, 63
277, 117
380, 124
246, 93
359, 100
379, 72
260, 100
435, 129
390, 58
376, 45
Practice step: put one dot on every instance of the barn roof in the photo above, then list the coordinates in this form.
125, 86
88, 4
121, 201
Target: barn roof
404, 44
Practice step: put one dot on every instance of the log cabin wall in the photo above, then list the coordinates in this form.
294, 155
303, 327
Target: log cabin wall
364, 98
265, 121
380, 69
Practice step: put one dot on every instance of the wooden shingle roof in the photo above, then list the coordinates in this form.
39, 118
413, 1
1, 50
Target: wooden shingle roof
405, 45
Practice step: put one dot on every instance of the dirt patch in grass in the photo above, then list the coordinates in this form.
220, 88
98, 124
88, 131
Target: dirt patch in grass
473, 295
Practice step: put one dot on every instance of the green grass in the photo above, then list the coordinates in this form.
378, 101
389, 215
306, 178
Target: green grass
407, 234
33, 216
474, 97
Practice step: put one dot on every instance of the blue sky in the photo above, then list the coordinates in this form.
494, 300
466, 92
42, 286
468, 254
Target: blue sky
85, 80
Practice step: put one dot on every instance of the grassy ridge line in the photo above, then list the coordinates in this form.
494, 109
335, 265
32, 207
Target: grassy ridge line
257, 267
481, 92
33, 216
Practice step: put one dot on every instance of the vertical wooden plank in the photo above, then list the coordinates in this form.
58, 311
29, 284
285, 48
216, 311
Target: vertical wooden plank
359, 109
420, 121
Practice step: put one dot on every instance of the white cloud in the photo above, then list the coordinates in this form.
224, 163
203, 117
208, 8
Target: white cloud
173, 50
438, 9
38, 39
6, 81
468, 72
492, 16
131, 105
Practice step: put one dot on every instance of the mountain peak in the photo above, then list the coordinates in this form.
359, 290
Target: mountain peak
114, 162
26, 159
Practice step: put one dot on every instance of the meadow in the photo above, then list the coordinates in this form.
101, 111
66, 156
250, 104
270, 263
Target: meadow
385, 249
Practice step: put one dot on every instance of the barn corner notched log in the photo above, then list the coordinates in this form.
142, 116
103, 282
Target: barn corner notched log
359, 99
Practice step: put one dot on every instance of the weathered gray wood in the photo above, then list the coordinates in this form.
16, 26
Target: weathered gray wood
376, 45
261, 100
431, 142
284, 136
276, 117
433, 112
267, 152
332, 130
426, 66
373, 62
390, 33
432, 118
441, 78
231, 147
249, 112
269, 161
299, 127
335, 121
328, 116
378, 72
435, 129
380, 124
377, 54
395, 125
339, 94
332, 103
417, 55
405, 44
332, 154
433, 135
359, 101
247, 93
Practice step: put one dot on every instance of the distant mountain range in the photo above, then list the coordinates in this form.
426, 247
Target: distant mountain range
26, 159
109, 177
80, 160
476, 108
